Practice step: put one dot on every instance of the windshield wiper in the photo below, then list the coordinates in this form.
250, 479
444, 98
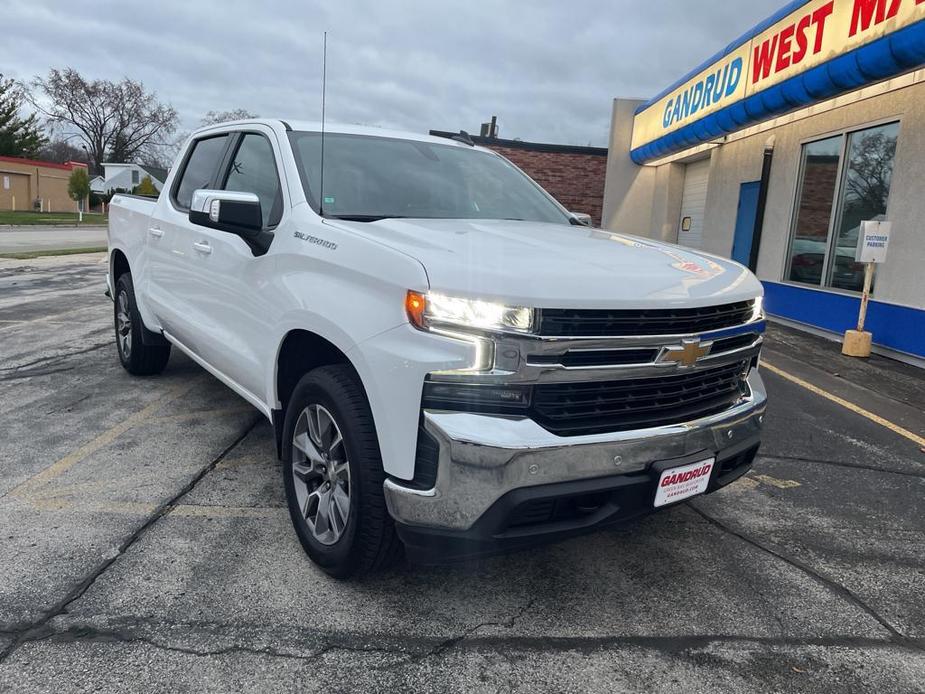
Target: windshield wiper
365, 217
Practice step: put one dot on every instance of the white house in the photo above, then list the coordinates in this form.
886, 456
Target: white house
126, 177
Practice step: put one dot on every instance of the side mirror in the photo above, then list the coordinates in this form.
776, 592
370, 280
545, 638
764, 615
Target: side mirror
234, 212
226, 210
582, 219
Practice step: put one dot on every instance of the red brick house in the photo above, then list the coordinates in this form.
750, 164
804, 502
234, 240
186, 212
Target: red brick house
573, 175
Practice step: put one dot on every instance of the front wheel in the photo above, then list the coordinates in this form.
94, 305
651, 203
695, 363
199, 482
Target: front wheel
333, 475
136, 357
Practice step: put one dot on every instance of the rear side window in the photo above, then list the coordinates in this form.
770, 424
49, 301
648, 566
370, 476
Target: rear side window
253, 170
201, 168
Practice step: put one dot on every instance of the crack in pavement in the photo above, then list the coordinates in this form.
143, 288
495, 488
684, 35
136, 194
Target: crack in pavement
53, 359
414, 650
839, 463
829, 583
37, 628
75, 633
453, 642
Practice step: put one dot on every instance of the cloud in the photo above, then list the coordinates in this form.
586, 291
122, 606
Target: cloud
549, 69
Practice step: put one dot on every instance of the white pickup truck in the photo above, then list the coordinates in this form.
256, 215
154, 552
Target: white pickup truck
451, 361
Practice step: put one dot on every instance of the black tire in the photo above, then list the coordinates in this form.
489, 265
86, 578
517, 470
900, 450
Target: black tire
136, 357
368, 541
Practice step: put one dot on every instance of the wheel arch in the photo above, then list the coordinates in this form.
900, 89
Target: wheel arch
299, 352
118, 264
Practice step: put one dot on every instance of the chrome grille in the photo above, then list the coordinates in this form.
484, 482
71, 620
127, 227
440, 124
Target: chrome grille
642, 322
574, 409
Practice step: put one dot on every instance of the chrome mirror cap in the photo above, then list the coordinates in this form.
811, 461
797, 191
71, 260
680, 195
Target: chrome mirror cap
210, 201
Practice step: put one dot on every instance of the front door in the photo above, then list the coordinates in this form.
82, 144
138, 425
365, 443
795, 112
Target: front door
745, 222
228, 304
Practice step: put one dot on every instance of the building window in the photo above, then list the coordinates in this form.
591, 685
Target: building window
135, 179
844, 180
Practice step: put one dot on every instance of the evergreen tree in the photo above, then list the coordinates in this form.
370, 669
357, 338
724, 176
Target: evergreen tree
146, 187
19, 137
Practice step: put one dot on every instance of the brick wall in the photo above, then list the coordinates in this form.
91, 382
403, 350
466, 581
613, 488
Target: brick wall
576, 180
817, 197
572, 175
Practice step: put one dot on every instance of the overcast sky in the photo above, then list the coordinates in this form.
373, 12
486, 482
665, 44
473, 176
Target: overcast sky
548, 69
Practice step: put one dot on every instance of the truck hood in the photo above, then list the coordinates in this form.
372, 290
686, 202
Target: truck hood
559, 266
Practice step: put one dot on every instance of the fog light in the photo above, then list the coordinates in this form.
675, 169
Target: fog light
470, 397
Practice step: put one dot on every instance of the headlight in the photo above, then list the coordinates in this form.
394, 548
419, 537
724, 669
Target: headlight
432, 310
758, 309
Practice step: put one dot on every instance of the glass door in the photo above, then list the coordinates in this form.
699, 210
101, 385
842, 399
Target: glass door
864, 194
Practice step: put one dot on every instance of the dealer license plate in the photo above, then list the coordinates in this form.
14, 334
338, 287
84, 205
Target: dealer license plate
679, 483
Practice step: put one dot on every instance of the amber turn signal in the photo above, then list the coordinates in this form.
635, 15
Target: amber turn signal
415, 303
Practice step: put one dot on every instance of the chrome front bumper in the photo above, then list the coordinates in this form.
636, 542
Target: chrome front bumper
484, 457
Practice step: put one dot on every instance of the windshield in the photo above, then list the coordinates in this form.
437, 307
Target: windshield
368, 178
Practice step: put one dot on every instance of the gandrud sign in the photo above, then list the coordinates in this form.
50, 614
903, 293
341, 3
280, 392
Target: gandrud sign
808, 52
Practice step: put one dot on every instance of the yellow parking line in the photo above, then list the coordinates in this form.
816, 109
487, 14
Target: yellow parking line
31, 485
857, 409
223, 412
780, 484
140, 508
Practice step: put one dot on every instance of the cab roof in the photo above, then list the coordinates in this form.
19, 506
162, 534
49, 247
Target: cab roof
339, 128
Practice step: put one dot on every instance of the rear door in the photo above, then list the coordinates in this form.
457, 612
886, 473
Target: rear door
228, 303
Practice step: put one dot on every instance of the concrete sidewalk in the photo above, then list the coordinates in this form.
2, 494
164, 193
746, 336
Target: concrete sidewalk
25, 239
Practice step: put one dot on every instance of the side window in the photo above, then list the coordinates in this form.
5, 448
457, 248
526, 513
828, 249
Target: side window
253, 170
201, 167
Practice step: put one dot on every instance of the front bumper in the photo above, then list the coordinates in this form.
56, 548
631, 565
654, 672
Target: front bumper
491, 466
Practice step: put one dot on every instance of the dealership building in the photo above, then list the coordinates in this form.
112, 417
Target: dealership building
777, 148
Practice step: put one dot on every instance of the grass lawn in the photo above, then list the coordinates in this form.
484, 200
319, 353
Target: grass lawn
38, 218
28, 255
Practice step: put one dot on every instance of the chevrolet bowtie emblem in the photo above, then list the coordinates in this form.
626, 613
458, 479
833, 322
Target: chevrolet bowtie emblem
688, 353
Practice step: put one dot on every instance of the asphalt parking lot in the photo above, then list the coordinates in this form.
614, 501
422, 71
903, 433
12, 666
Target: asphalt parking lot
146, 547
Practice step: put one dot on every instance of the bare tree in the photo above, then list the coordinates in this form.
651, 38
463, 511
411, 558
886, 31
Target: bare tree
61, 150
216, 117
211, 118
116, 121
870, 171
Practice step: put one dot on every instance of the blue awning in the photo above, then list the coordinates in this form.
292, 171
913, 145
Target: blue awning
888, 56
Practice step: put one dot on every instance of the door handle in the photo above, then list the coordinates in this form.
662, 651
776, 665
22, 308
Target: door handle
203, 247
155, 232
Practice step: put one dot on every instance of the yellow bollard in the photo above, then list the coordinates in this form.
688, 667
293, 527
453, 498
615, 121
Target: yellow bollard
857, 342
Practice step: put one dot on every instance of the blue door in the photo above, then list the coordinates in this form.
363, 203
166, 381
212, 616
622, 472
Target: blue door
745, 222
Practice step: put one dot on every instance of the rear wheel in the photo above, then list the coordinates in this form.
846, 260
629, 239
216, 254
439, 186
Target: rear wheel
136, 357
333, 475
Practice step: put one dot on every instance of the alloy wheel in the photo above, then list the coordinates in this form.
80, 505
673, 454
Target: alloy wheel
321, 474
123, 325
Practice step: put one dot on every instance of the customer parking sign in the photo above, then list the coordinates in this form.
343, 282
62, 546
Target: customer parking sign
873, 242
